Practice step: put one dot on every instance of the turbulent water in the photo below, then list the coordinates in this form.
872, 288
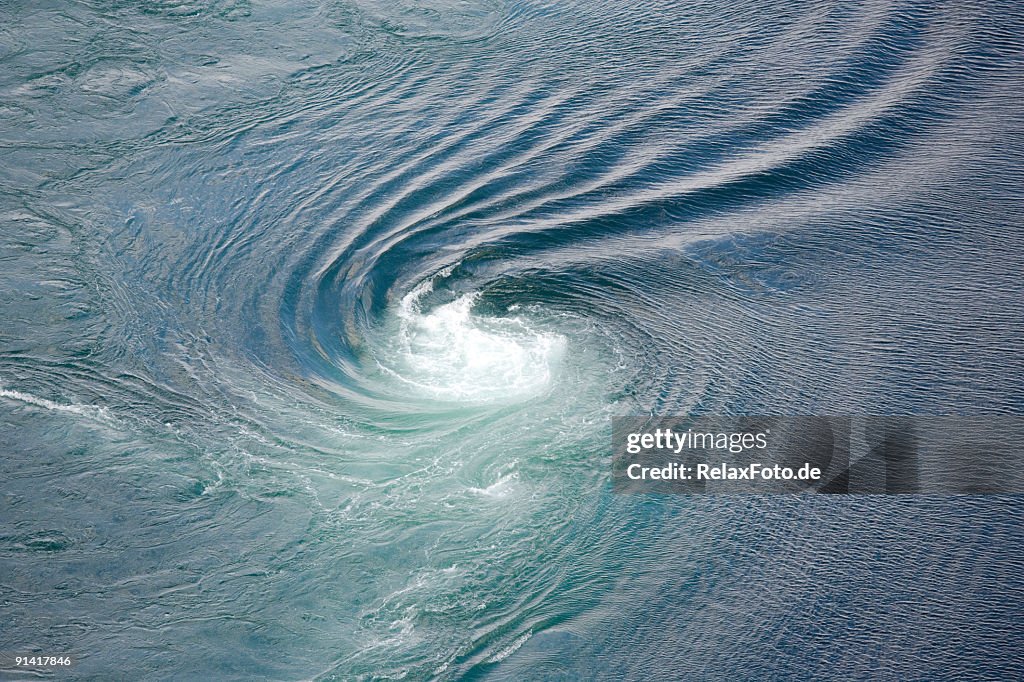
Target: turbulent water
313, 317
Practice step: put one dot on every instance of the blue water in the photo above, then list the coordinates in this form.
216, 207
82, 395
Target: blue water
314, 315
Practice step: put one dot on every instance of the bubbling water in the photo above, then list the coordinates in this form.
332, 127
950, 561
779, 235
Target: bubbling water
451, 354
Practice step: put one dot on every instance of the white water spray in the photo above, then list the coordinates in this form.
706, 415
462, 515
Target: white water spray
451, 354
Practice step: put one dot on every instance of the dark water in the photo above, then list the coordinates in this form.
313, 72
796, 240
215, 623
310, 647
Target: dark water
313, 317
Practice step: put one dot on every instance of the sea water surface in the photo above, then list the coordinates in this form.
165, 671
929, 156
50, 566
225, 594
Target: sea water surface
314, 315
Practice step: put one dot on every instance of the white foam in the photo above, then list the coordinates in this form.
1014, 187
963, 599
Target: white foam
90, 411
512, 648
450, 353
500, 489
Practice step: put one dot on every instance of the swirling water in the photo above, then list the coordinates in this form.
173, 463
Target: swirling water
314, 315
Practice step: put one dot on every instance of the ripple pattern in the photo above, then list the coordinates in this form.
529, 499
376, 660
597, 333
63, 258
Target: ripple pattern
315, 313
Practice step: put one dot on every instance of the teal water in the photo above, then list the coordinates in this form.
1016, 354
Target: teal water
314, 315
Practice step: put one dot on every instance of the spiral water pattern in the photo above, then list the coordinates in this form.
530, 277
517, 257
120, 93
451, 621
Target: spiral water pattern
315, 315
